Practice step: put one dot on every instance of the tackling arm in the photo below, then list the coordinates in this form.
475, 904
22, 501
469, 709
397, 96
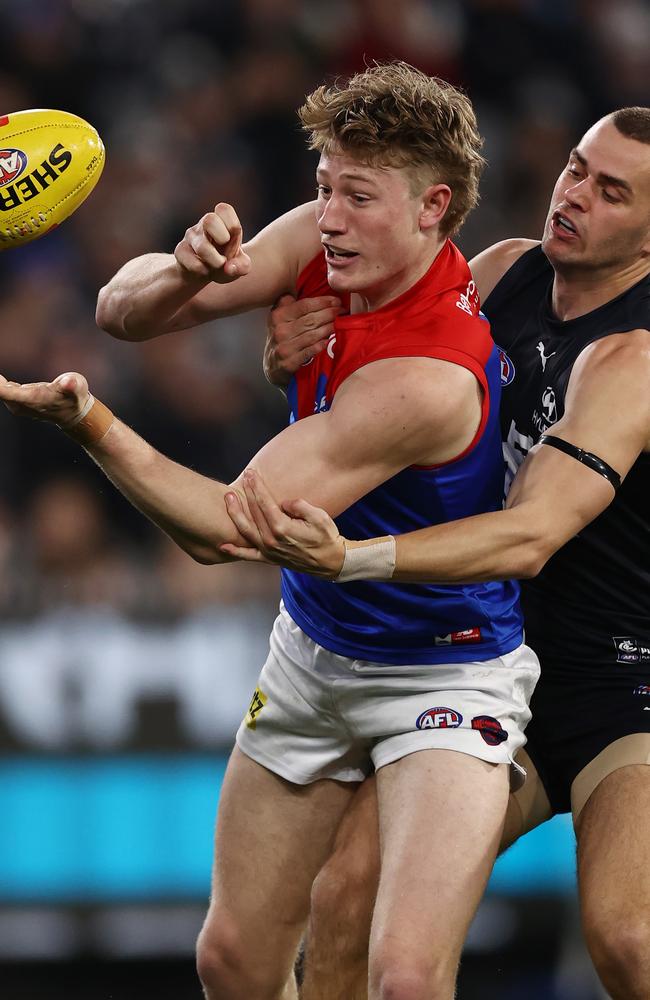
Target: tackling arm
552, 497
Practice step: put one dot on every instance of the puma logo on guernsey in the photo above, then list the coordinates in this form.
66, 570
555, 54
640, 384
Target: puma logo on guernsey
543, 356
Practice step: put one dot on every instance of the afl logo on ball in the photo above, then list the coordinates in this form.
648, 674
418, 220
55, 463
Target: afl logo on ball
439, 718
12, 164
507, 367
490, 729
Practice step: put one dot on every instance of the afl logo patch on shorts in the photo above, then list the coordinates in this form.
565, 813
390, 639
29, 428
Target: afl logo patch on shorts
439, 718
490, 729
507, 367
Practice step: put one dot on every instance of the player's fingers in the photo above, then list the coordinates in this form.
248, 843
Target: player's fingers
224, 229
9, 390
300, 308
243, 522
305, 511
258, 512
72, 384
293, 353
207, 250
271, 522
229, 219
197, 255
239, 552
310, 352
189, 261
317, 319
222, 232
284, 300
236, 267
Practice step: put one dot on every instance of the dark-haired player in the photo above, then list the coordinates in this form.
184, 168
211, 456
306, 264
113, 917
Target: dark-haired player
572, 316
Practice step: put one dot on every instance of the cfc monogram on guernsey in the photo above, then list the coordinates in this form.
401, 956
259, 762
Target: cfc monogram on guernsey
598, 584
386, 622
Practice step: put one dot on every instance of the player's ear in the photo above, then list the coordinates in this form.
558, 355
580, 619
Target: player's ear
435, 202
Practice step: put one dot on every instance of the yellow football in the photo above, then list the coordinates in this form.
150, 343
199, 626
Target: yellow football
49, 163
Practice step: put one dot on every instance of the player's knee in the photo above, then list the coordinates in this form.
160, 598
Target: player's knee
223, 964
219, 955
396, 976
400, 983
620, 949
342, 900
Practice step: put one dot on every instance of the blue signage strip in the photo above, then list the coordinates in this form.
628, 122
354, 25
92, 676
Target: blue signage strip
124, 828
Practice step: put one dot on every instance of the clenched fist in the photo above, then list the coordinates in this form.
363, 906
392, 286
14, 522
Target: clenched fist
212, 248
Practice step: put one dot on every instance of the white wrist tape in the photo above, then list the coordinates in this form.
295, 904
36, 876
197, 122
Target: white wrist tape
373, 560
87, 407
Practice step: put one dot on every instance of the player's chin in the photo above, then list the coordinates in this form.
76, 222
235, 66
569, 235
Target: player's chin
556, 250
338, 281
344, 277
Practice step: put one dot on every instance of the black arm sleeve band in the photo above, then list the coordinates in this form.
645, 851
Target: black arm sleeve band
586, 457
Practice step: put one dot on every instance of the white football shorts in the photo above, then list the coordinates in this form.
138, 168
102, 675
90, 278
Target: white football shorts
315, 714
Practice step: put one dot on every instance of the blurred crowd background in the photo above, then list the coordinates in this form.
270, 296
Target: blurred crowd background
111, 640
195, 101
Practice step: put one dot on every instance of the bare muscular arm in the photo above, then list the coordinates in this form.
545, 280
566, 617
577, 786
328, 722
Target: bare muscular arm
552, 498
383, 418
210, 274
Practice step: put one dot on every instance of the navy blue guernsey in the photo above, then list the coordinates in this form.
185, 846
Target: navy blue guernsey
593, 595
396, 623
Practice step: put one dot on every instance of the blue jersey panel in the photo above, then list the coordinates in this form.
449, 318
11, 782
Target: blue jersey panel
396, 623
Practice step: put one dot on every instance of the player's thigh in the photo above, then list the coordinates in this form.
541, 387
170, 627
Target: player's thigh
441, 815
528, 807
343, 893
342, 902
352, 870
272, 837
613, 833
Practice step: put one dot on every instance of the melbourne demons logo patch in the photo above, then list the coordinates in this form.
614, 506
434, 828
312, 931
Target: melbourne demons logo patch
439, 718
12, 164
507, 367
490, 729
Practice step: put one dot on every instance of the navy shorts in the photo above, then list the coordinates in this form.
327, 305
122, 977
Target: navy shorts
578, 712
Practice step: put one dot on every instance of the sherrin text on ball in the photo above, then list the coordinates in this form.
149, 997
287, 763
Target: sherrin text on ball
50, 161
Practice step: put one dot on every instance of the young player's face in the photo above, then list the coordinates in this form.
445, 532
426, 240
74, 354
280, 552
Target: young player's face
371, 228
599, 216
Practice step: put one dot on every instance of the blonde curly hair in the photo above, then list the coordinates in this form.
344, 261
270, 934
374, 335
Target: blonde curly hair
394, 115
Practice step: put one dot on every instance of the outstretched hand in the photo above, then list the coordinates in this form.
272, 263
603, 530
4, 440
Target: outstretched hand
59, 402
295, 534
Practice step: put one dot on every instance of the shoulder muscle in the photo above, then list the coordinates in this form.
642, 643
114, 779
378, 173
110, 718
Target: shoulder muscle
490, 266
